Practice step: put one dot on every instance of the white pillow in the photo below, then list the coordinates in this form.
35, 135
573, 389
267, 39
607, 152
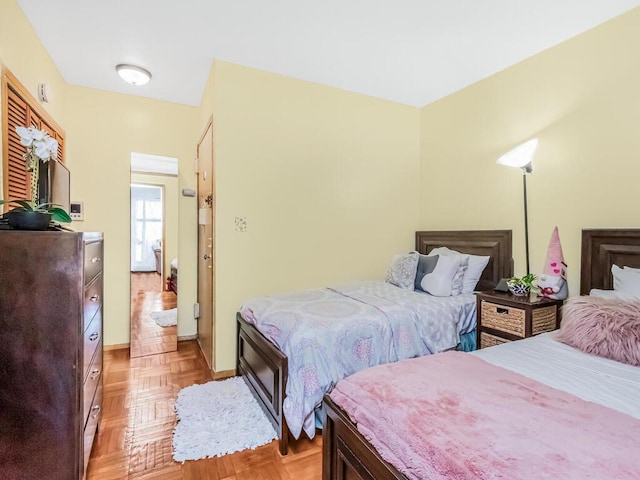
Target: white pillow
475, 267
439, 282
402, 270
614, 294
626, 280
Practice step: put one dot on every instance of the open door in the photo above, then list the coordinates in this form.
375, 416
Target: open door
206, 260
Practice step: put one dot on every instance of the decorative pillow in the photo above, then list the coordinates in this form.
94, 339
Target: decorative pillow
475, 267
402, 271
626, 280
438, 282
426, 264
457, 282
604, 327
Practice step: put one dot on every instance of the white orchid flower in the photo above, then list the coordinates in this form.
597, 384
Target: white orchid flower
37, 134
26, 136
51, 145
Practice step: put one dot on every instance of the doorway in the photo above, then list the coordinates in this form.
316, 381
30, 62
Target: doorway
154, 247
206, 254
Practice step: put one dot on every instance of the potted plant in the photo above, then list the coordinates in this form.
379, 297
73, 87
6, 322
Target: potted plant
28, 215
521, 286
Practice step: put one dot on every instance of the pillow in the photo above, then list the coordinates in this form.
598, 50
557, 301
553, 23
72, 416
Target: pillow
456, 283
626, 296
426, 264
402, 271
475, 267
438, 282
626, 280
604, 327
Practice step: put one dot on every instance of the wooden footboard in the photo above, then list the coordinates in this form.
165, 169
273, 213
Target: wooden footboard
346, 454
264, 369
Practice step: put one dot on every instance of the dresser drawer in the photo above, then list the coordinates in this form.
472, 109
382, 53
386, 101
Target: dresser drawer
92, 299
91, 383
92, 424
503, 318
544, 320
92, 260
488, 340
91, 340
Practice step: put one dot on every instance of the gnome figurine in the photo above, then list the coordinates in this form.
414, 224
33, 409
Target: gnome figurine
553, 281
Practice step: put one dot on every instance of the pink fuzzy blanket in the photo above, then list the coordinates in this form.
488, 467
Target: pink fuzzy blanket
455, 416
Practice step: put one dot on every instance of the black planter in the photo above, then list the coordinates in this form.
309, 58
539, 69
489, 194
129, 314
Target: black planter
23, 220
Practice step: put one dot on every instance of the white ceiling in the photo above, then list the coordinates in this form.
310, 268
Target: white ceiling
408, 51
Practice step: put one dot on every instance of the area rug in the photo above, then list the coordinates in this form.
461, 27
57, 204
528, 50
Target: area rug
165, 318
218, 418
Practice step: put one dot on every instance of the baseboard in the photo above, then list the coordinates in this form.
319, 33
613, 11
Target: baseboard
117, 346
224, 374
185, 338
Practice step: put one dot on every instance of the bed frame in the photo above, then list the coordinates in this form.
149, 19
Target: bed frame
346, 454
265, 368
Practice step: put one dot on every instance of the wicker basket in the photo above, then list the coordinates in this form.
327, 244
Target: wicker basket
488, 340
503, 318
544, 320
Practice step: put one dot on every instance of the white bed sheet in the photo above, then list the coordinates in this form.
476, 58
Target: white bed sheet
595, 379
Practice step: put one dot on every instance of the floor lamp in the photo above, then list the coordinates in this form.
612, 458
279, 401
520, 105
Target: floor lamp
522, 157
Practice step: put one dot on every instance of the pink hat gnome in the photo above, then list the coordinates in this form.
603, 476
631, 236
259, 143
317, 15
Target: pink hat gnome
553, 282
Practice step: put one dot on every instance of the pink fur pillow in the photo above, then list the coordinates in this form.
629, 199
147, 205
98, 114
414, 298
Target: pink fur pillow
609, 328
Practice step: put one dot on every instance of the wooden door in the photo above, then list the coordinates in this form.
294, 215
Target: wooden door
206, 231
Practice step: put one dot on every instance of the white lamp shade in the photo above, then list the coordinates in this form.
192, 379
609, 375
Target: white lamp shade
133, 75
521, 156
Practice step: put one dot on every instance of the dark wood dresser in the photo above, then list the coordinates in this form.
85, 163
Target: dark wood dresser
50, 352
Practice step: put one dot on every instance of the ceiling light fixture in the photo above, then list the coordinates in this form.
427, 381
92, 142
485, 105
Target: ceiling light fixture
133, 75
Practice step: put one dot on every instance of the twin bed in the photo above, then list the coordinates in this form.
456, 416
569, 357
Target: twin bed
536, 408
370, 324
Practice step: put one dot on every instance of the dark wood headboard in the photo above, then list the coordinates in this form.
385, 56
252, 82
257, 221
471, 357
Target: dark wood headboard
603, 248
495, 243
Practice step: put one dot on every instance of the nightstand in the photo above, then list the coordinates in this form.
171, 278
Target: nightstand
502, 317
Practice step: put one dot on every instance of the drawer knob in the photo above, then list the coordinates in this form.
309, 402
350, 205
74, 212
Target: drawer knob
95, 373
95, 259
94, 336
502, 311
94, 298
95, 411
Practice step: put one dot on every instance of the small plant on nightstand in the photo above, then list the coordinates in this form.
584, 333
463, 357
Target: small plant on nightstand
521, 286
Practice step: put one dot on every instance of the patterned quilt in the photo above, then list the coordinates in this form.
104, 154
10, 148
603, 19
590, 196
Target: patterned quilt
329, 334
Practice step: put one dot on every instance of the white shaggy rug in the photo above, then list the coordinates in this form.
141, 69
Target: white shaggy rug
218, 418
165, 318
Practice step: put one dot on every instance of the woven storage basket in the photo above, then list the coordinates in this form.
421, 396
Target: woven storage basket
505, 319
488, 340
544, 320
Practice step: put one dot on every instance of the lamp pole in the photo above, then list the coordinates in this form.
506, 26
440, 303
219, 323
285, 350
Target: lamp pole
526, 217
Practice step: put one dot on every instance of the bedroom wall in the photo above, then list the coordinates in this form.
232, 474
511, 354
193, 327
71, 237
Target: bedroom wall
22, 53
103, 129
327, 180
171, 215
581, 100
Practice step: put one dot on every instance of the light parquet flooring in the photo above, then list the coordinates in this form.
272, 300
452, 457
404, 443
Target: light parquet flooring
134, 439
147, 337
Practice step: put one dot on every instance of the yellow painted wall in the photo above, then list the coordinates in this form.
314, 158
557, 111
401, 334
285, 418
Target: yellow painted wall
103, 129
171, 201
581, 100
22, 53
327, 180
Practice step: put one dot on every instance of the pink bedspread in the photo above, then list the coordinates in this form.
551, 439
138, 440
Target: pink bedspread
456, 416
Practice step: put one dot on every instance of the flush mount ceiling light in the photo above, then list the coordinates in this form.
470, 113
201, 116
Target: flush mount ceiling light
133, 75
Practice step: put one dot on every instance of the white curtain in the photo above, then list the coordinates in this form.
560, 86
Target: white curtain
146, 226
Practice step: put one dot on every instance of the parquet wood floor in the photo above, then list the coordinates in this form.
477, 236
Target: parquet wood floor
147, 337
134, 439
